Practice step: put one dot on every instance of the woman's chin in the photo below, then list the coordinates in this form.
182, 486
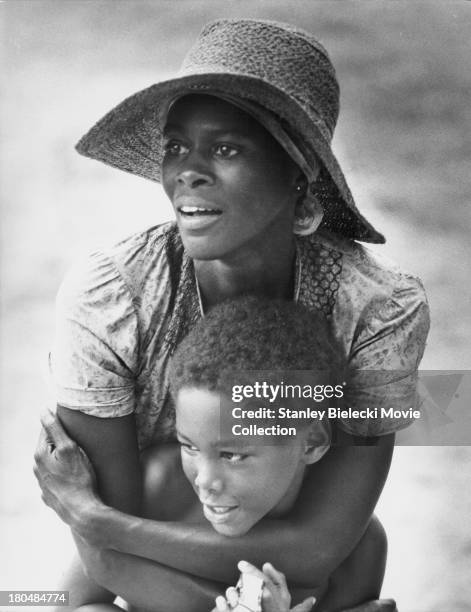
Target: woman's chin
201, 248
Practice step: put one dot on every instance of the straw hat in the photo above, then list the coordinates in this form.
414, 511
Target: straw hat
282, 71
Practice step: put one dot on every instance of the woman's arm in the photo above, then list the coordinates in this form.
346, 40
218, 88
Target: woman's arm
330, 517
111, 445
150, 585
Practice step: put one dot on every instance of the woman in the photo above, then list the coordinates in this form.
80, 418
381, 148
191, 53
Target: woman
241, 142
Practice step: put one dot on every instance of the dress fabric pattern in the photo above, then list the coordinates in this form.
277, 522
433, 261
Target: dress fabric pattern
122, 312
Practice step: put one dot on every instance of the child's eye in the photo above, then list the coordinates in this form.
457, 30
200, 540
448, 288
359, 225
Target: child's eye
188, 448
232, 457
175, 148
225, 150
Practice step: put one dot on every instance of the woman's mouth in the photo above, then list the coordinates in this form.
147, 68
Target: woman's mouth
194, 214
198, 210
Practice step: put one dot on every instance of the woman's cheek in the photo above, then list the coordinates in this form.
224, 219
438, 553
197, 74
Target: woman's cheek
167, 173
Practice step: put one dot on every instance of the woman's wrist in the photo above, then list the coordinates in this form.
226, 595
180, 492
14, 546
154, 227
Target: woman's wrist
87, 520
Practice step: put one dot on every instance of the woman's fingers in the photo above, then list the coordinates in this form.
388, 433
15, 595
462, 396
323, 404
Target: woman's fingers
41, 446
55, 433
63, 470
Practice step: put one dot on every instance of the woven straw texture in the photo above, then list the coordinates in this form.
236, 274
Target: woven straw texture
279, 67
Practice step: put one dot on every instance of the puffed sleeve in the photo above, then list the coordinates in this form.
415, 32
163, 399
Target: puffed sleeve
94, 355
388, 345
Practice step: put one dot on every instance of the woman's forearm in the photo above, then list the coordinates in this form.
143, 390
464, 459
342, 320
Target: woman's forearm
331, 515
144, 583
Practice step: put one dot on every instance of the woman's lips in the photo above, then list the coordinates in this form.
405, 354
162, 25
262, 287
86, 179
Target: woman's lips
195, 214
198, 210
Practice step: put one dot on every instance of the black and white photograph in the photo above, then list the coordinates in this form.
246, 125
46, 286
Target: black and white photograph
235, 368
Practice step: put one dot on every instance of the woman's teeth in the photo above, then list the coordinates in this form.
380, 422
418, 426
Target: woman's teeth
198, 210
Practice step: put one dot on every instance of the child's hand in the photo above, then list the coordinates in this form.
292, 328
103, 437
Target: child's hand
275, 594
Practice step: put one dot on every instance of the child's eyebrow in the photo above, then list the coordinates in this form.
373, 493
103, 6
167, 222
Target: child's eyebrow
238, 444
180, 435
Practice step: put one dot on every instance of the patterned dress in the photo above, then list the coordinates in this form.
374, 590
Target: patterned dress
122, 312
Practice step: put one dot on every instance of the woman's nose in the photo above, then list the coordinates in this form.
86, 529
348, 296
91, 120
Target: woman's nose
193, 177
208, 480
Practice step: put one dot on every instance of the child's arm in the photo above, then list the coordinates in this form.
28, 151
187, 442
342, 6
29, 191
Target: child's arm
330, 517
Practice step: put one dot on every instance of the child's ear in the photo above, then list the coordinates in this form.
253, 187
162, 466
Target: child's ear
317, 442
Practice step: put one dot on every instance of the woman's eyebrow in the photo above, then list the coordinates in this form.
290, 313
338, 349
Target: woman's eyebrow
171, 128
212, 131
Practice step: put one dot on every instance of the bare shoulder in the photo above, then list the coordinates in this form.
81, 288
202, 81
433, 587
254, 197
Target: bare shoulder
168, 496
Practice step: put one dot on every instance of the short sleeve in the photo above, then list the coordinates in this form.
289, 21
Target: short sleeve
388, 345
94, 355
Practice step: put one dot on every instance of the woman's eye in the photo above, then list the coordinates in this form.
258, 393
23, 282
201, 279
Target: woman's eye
175, 148
225, 150
232, 457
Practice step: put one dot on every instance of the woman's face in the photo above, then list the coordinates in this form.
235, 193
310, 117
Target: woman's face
231, 184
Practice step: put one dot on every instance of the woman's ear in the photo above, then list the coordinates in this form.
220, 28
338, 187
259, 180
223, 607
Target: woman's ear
317, 441
300, 184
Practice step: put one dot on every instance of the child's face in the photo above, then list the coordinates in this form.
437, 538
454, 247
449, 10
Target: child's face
238, 480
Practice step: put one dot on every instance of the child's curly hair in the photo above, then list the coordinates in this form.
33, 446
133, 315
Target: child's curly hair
253, 334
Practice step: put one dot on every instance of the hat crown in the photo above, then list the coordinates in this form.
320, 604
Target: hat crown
283, 56
283, 76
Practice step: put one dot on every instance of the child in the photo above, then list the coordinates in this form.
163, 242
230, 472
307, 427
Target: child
239, 479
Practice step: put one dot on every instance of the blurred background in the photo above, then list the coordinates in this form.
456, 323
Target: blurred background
404, 142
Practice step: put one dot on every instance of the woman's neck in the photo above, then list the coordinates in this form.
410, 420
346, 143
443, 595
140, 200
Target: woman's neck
267, 273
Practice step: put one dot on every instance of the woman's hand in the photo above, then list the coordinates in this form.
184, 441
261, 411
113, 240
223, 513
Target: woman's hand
64, 472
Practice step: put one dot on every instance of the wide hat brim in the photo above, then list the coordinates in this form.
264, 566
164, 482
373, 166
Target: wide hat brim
129, 138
